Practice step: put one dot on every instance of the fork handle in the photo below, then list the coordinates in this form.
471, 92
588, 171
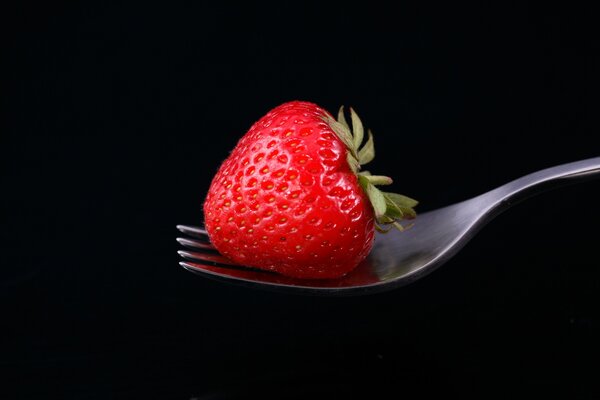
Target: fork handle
546, 179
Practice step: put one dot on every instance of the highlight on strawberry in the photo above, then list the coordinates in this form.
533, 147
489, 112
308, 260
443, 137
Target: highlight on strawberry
293, 197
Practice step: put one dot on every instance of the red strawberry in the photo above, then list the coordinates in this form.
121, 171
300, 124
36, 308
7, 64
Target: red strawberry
290, 197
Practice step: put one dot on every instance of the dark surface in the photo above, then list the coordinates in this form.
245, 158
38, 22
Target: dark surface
116, 116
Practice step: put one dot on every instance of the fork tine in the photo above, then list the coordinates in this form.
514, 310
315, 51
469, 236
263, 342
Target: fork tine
232, 271
205, 268
206, 257
195, 244
193, 231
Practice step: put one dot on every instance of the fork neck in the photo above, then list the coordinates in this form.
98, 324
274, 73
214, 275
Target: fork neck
544, 180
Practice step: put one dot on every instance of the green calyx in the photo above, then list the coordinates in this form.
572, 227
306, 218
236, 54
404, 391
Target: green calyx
389, 208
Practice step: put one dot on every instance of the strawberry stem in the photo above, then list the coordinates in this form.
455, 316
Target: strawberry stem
389, 208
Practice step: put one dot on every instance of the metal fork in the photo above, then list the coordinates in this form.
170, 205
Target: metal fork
397, 258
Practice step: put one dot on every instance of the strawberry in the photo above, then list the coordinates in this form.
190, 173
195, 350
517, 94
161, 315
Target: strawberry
291, 198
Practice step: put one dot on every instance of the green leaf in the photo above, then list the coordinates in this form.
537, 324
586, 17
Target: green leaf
385, 219
409, 213
341, 118
363, 181
380, 229
377, 200
392, 209
344, 134
401, 200
353, 162
398, 226
379, 179
367, 153
357, 128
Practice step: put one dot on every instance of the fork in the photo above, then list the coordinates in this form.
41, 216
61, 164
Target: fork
397, 258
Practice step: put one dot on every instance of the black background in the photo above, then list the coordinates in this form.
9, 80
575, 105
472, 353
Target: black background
116, 116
